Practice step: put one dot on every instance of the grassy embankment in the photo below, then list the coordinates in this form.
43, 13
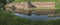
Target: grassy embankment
57, 7
36, 0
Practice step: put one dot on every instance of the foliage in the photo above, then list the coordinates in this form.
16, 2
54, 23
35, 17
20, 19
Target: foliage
4, 2
36, 0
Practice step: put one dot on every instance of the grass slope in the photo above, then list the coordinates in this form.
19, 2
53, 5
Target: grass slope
36, 0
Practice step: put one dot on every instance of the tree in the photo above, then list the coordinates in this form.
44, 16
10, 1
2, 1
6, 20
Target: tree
5, 2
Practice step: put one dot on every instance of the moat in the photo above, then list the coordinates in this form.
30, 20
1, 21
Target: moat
37, 17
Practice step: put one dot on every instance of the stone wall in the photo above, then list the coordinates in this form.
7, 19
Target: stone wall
24, 5
37, 4
46, 12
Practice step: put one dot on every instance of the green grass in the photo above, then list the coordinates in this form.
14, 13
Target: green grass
57, 3
57, 11
36, 0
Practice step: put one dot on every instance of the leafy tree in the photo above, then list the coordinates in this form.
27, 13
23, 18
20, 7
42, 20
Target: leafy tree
5, 2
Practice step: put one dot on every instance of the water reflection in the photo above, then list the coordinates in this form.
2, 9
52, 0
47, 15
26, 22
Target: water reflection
37, 17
